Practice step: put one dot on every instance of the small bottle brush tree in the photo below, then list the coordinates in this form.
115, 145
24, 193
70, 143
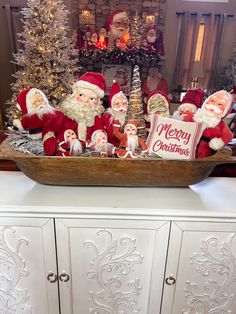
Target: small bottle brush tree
48, 59
135, 108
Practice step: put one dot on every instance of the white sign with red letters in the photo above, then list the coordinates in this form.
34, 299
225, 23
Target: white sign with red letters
174, 139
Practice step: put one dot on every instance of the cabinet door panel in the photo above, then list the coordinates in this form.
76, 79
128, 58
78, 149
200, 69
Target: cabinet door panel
27, 253
202, 258
114, 266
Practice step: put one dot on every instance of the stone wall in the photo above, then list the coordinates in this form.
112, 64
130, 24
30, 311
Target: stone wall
97, 11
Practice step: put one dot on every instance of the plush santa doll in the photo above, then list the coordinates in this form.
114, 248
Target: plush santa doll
117, 111
157, 103
68, 143
217, 133
191, 101
36, 111
85, 103
99, 143
130, 144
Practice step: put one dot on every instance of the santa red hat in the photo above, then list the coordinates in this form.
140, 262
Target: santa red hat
194, 98
133, 123
117, 14
114, 92
24, 101
91, 80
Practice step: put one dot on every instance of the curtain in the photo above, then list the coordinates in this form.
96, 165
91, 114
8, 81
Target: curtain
187, 37
212, 48
14, 27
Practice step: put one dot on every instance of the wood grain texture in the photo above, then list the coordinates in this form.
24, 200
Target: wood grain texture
98, 171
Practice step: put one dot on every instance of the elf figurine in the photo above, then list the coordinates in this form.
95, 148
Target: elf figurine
130, 143
36, 112
99, 143
68, 144
217, 133
117, 111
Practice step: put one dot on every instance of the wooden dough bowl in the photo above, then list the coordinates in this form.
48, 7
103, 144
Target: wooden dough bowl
97, 171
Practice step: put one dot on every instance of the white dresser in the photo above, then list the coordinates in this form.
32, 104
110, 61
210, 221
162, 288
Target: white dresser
111, 250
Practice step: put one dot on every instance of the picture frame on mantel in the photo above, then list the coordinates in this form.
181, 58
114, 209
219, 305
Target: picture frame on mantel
122, 74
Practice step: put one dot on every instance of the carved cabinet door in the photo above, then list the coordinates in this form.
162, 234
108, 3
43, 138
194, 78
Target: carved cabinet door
27, 257
111, 266
201, 269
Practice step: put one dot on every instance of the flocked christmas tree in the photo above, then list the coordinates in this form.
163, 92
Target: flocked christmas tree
230, 73
135, 108
136, 31
48, 59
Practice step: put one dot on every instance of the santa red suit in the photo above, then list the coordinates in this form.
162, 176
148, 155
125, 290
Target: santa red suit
217, 133
129, 145
36, 112
117, 111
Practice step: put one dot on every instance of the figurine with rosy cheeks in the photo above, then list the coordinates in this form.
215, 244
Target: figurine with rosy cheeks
117, 111
69, 145
99, 143
130, 144
211, 114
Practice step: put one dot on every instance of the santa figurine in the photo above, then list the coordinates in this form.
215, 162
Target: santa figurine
157, 104
99, 143
117, 111
36, 110
155, 81
93, 42
87, 37
154, 41
85, 103
103, 38
118, 25
130, 144
211, 114
191, 101
68, 143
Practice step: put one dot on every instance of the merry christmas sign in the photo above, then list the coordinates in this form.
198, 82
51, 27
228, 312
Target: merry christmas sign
174, 139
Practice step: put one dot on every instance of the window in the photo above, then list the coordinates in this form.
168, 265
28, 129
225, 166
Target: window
200, 40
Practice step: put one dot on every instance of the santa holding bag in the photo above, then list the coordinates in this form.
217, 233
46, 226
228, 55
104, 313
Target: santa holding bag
191, 101
131, 145
211, 114
36, 111
117, 111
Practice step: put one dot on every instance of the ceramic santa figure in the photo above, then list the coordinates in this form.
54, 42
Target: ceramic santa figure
118, 24
93, 43
155, 81
36, 111
68, 143
130, 144
217, 133
154, 41
117, 111
191, 101
85, 103
99, 143
157, 103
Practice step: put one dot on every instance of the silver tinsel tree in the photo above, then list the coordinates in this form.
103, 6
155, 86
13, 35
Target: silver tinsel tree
48, 59
135, 108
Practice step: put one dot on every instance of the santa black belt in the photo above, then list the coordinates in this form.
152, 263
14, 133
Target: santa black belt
205, 139
35, 131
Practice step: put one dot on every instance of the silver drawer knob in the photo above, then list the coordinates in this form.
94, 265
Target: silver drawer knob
170, 280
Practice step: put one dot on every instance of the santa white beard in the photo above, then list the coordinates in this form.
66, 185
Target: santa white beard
81, 112
151, 39
45, 109
75, 147
117, 115
132, 141
207, 119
